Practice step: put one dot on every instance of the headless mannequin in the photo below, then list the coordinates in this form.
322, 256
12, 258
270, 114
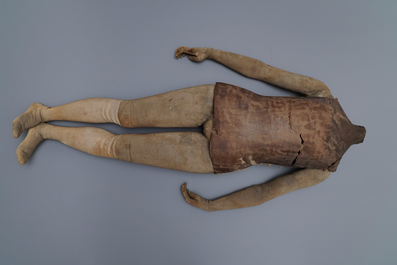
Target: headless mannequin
185, 151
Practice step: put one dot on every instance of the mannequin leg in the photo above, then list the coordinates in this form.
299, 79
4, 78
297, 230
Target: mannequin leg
185, 151
189, 107
93, 110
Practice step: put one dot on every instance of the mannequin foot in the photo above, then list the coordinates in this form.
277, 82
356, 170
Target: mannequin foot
30, 118
26, 148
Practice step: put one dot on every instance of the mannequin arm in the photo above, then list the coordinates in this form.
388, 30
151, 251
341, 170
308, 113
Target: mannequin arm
256, 69
258, 194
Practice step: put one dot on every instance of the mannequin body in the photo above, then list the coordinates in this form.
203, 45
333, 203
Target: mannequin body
185, 151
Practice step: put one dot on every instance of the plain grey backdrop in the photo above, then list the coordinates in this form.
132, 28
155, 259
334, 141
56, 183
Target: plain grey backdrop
68, 207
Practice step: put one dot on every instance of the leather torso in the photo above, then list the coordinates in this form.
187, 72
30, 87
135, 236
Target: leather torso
298, 132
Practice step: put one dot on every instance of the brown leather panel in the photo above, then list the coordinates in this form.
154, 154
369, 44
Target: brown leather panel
289, 131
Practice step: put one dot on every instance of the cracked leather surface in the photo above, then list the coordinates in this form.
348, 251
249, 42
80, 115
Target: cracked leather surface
301, 132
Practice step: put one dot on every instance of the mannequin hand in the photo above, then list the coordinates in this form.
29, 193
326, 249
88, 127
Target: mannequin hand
194, 199
195, 54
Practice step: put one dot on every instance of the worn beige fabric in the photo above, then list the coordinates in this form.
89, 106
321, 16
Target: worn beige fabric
185, 151
258, 194
256, 69
188, 107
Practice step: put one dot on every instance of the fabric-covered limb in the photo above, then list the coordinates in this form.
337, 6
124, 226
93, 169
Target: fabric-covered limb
256, 69
184, 151
187, 107
92, 110
258, 194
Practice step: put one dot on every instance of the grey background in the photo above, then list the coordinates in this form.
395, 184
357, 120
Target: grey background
67, 207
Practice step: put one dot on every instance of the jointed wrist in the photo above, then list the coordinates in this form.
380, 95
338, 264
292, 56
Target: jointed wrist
211, 53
